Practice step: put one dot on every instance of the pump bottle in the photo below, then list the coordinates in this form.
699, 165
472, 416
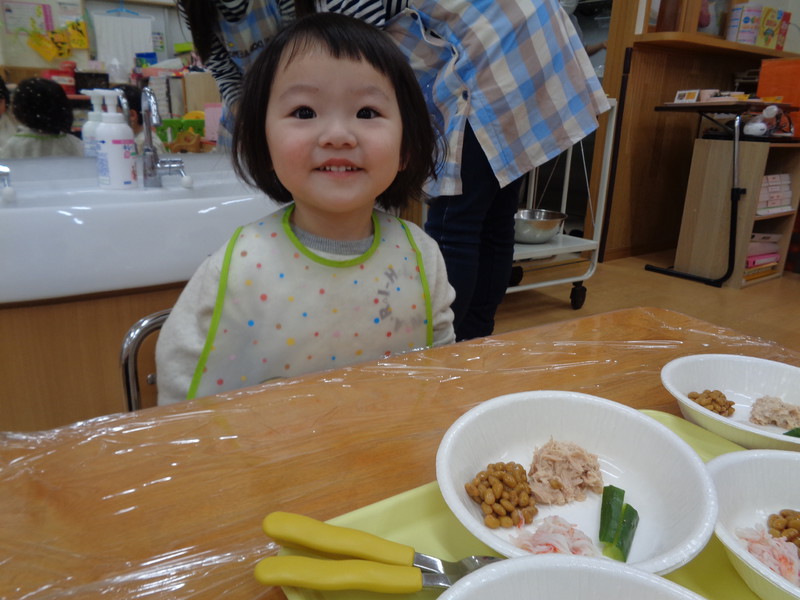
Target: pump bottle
116, 148
89, 131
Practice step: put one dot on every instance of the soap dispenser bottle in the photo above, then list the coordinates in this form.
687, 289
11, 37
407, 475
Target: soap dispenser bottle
116, 148
89, 130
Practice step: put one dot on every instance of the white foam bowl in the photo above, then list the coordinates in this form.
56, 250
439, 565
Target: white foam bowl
663, 478
751, 485
558, 576
743, 379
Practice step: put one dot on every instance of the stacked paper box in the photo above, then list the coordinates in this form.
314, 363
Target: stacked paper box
759, 272
754, 248
758, 260
763, 252
762, 258
775, 195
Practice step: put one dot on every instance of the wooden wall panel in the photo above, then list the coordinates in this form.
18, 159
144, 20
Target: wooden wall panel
59, 361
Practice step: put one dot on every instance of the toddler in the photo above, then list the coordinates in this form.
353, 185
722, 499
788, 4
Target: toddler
44, 115
331, 122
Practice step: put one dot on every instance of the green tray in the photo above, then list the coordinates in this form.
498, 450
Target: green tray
420, 518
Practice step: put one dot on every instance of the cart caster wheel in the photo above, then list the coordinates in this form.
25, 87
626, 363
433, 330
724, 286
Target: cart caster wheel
577, 296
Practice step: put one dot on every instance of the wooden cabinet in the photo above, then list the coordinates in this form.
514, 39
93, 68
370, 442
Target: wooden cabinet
704, 236
652, 152
61, 360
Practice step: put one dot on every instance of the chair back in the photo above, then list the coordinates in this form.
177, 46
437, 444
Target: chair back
130, 352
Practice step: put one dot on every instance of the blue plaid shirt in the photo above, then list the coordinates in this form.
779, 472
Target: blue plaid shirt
514, 69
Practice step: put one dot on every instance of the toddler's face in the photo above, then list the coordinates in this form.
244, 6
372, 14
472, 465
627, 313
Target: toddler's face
334, 132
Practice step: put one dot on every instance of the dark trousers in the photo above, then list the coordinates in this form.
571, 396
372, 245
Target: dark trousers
475, 231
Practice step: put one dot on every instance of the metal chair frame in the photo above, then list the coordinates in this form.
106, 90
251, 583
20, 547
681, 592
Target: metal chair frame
129, 355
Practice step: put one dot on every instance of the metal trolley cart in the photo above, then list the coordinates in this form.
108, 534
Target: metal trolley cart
564, 246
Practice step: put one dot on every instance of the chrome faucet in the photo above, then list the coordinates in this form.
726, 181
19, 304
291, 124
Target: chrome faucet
153, 167
8, 196
123, 102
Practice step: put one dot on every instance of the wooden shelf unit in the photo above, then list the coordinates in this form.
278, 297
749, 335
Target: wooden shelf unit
703, 240
703, 42
652, 157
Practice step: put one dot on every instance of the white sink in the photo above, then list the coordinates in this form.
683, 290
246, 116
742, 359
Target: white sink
81, 194
64, 236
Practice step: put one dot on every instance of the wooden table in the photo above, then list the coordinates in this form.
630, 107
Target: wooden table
171, 499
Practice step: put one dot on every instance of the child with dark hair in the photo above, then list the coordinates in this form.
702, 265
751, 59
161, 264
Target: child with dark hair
508, 81
44, 115
8, 125
134, 97
332, 123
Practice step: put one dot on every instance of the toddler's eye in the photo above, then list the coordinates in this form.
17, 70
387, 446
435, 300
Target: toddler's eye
304, 112
366, 113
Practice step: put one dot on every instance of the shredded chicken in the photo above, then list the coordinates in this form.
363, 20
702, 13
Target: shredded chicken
556, 536
774, 411
776, 553
562, 472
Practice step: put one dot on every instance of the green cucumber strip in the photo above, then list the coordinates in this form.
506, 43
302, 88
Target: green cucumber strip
613, 552
610, 512
793, 432
624, 538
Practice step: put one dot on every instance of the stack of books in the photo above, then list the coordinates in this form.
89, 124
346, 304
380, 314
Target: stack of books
763, 256
775, 195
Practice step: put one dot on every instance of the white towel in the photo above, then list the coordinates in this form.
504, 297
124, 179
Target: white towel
118, 41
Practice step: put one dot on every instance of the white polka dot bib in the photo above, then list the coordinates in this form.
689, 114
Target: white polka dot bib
282, 310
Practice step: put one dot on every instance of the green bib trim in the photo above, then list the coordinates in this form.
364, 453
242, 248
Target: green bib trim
426, 290
215, 318
376, 239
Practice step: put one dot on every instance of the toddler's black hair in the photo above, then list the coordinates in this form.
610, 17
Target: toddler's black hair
347, 38
4, 95
42, 105
134, 97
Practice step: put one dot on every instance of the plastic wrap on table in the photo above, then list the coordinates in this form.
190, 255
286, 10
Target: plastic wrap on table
168, 502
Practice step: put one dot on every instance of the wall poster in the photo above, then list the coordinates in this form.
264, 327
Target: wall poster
25, 17
51, 29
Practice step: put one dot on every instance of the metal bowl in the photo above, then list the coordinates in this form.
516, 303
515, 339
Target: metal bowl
537, 226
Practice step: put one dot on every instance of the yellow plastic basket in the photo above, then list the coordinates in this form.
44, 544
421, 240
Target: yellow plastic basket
171, 128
